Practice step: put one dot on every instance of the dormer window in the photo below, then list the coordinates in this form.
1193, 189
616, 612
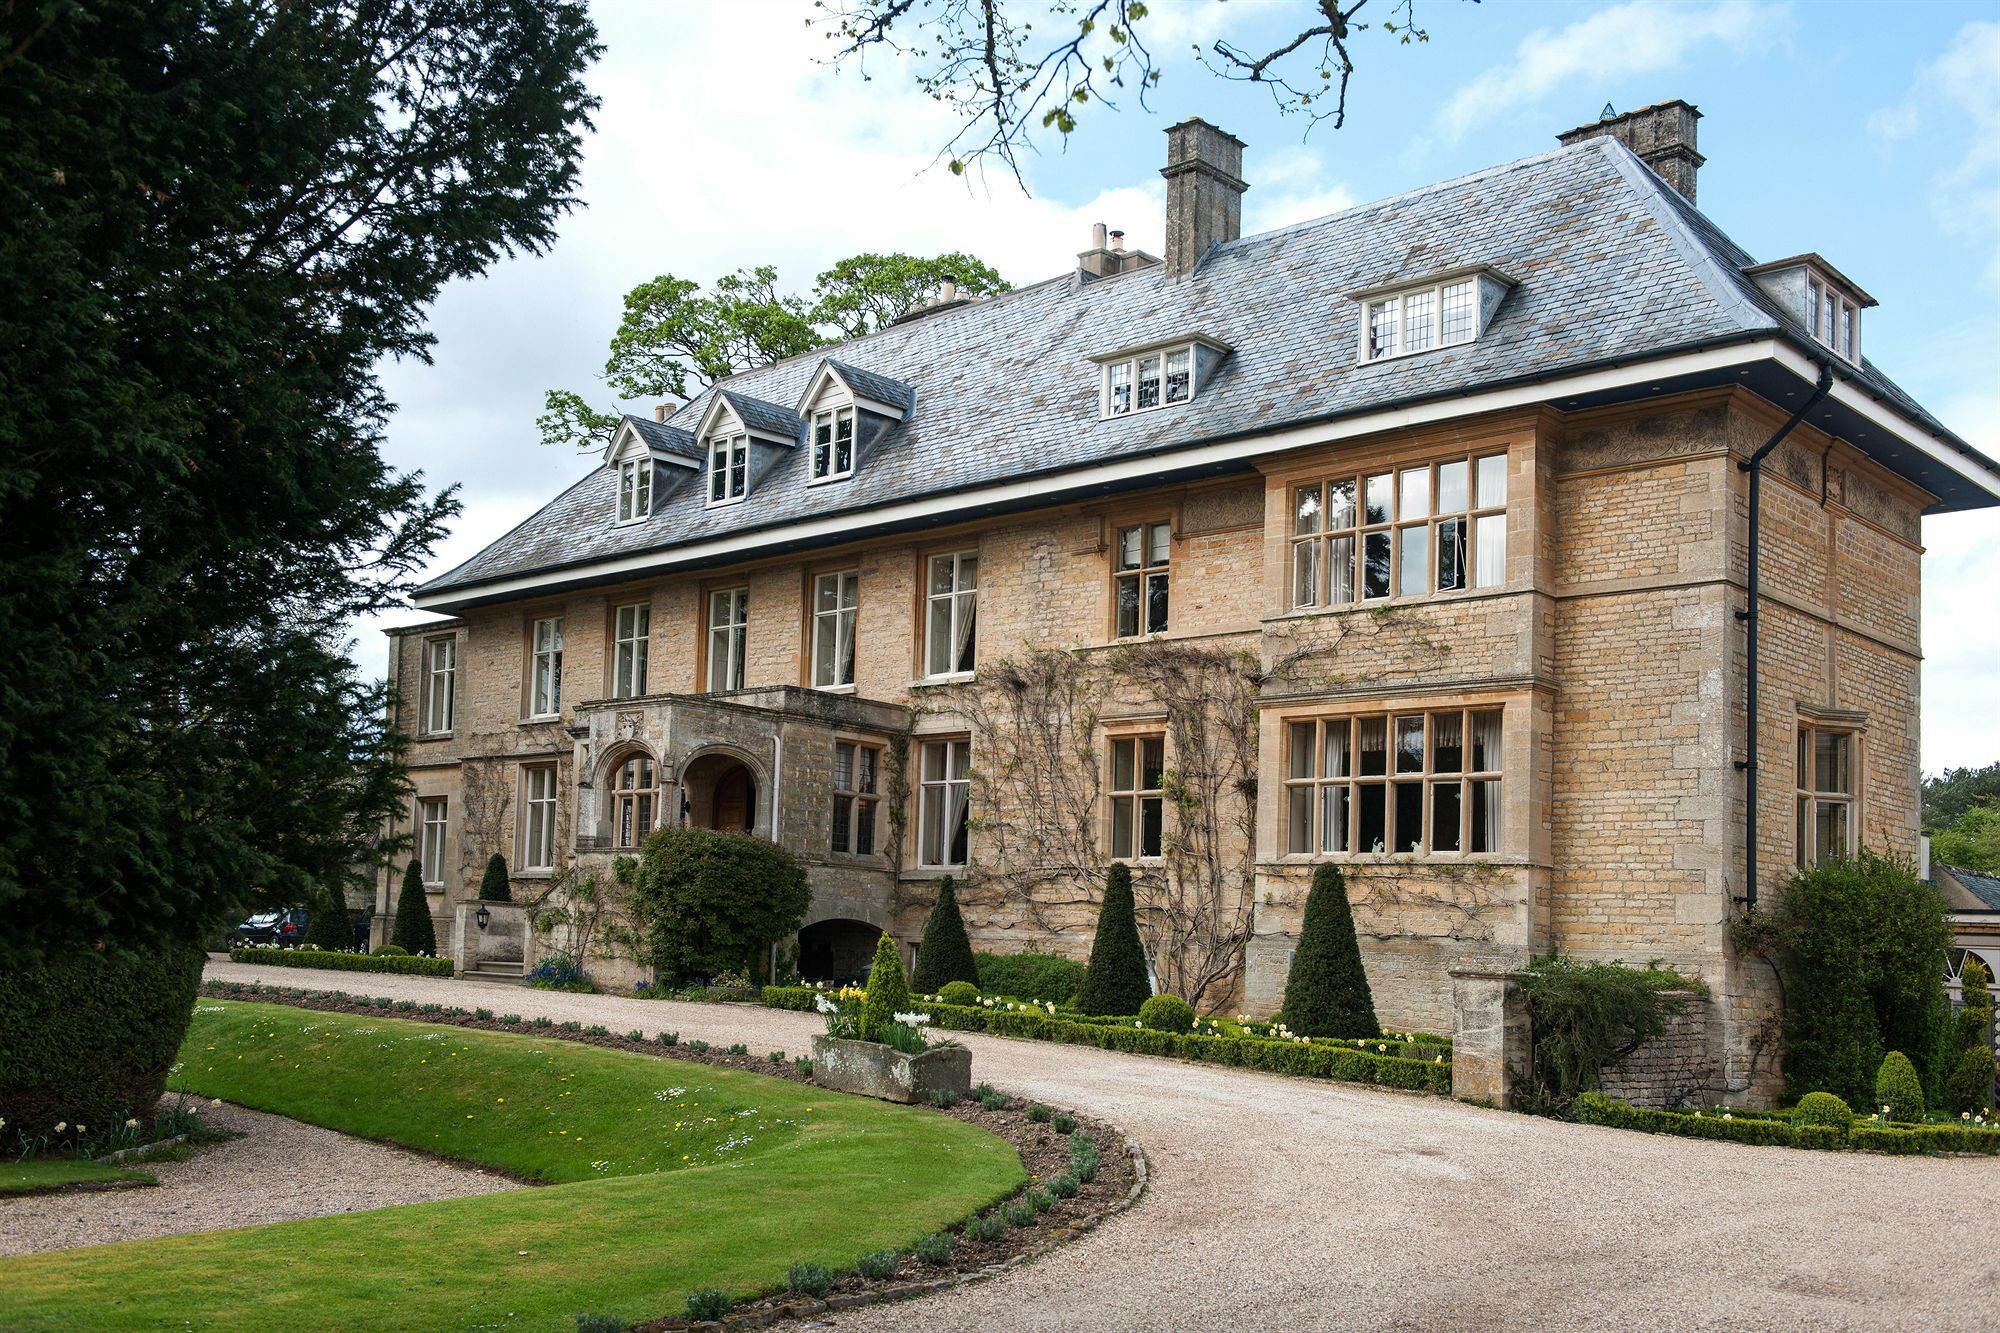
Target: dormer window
1820, 297
833, 444
728, 468
1140, 379
635, 489
1448, 310
1833, 318
1417, 321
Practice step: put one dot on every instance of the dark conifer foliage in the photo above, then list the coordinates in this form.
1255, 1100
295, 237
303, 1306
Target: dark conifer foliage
412, 930
945, 953
1326, 993
1116, 981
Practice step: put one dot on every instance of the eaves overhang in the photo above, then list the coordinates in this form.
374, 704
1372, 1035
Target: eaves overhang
1767, 363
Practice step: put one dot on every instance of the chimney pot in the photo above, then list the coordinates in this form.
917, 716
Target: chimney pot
1205, 188
1097, 235
660, 411
1118, 242
948, 290
1663, 136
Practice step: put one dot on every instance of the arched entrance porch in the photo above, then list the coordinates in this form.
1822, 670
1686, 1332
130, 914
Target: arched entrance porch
720, 792
837, 949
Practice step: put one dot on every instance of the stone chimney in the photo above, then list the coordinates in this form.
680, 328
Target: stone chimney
1662, 135
1205, 188
1107, 256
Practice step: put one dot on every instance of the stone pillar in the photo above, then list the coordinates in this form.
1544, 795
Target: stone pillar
1491, 1045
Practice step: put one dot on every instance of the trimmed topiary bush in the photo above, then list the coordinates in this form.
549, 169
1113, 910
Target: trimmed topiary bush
493, 886
945, 954
328, 925
413, 931
1976, 1018
391, 951
1326, 993
888, 994
1970, 1087
1167, 1013
959, 992
89, 1036
1825, 1109
1116, 982
709, 903
1898, 1088
1044, 977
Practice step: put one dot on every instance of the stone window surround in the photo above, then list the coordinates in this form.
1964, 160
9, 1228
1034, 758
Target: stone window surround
1356, 530
956, 743
847, 575
529, 804
648, 799
1522, 775
708, 625
640, 641
428, 701
1135, 734
863, 806
1812, 721
431, 830
927, 605
1141, 574
533, 650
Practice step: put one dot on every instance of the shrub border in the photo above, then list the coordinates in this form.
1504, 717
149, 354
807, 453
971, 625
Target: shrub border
1773, 1131
1301, 1059
401, 964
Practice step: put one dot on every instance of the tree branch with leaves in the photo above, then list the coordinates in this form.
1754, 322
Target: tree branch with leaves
1003, 80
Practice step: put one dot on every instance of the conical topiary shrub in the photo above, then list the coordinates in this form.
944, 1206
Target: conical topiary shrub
1116, 980
1898, 1088
1326, 994
413, 930
493, 886
945, 955
1977, 1015
888, 994
328, 925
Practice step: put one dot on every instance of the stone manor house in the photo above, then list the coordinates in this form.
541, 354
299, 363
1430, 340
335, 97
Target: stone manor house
1416, 538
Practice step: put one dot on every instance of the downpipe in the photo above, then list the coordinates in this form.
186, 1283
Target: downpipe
1750, 616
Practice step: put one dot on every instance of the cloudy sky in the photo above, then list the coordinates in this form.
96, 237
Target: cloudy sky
1869, 134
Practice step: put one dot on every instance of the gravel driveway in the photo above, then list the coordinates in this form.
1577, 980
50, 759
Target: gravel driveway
279, 1170
1282, 1203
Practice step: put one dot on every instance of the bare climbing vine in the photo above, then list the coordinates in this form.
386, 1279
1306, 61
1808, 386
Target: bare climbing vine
1038, 783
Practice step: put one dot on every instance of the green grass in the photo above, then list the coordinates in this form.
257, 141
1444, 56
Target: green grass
664, 1176
30, 1177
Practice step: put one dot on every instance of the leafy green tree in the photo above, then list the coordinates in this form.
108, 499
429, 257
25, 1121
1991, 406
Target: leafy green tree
888, 993
493, 886
867, 292
1116, 980
1898, 1088
1971, 841
1861, 945
1326, 991
412, 929
1958, 790
219, 221
945, 955
675, 340
708, 903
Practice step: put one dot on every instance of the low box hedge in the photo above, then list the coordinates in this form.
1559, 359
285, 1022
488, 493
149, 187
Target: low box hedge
1771, 1129
406, 964
1306, 1060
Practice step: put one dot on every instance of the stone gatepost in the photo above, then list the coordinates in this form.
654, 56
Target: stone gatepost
1491, 1043
503, 941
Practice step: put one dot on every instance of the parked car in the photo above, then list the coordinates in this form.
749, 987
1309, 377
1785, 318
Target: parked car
284, 930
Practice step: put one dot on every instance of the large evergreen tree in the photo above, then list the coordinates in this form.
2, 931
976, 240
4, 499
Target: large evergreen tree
1116, 982
945, 955
412, 931
1326, 992
218, 219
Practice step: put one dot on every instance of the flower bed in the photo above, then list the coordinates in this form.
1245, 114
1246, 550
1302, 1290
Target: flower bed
406, 964
1774, 1129
1308, 1059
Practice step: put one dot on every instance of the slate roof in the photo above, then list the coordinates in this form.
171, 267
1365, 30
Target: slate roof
880, 388
754, 413
1986, 888
672, 439
1613, 265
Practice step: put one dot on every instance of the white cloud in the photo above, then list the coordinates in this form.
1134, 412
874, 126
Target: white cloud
1960, 93
1639, 37
1292, 186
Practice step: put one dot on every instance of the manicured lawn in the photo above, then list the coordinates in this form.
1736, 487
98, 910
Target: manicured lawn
664, 1176
29, 1177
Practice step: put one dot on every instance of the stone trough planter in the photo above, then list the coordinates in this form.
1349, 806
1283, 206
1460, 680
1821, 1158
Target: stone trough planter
873, 1070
